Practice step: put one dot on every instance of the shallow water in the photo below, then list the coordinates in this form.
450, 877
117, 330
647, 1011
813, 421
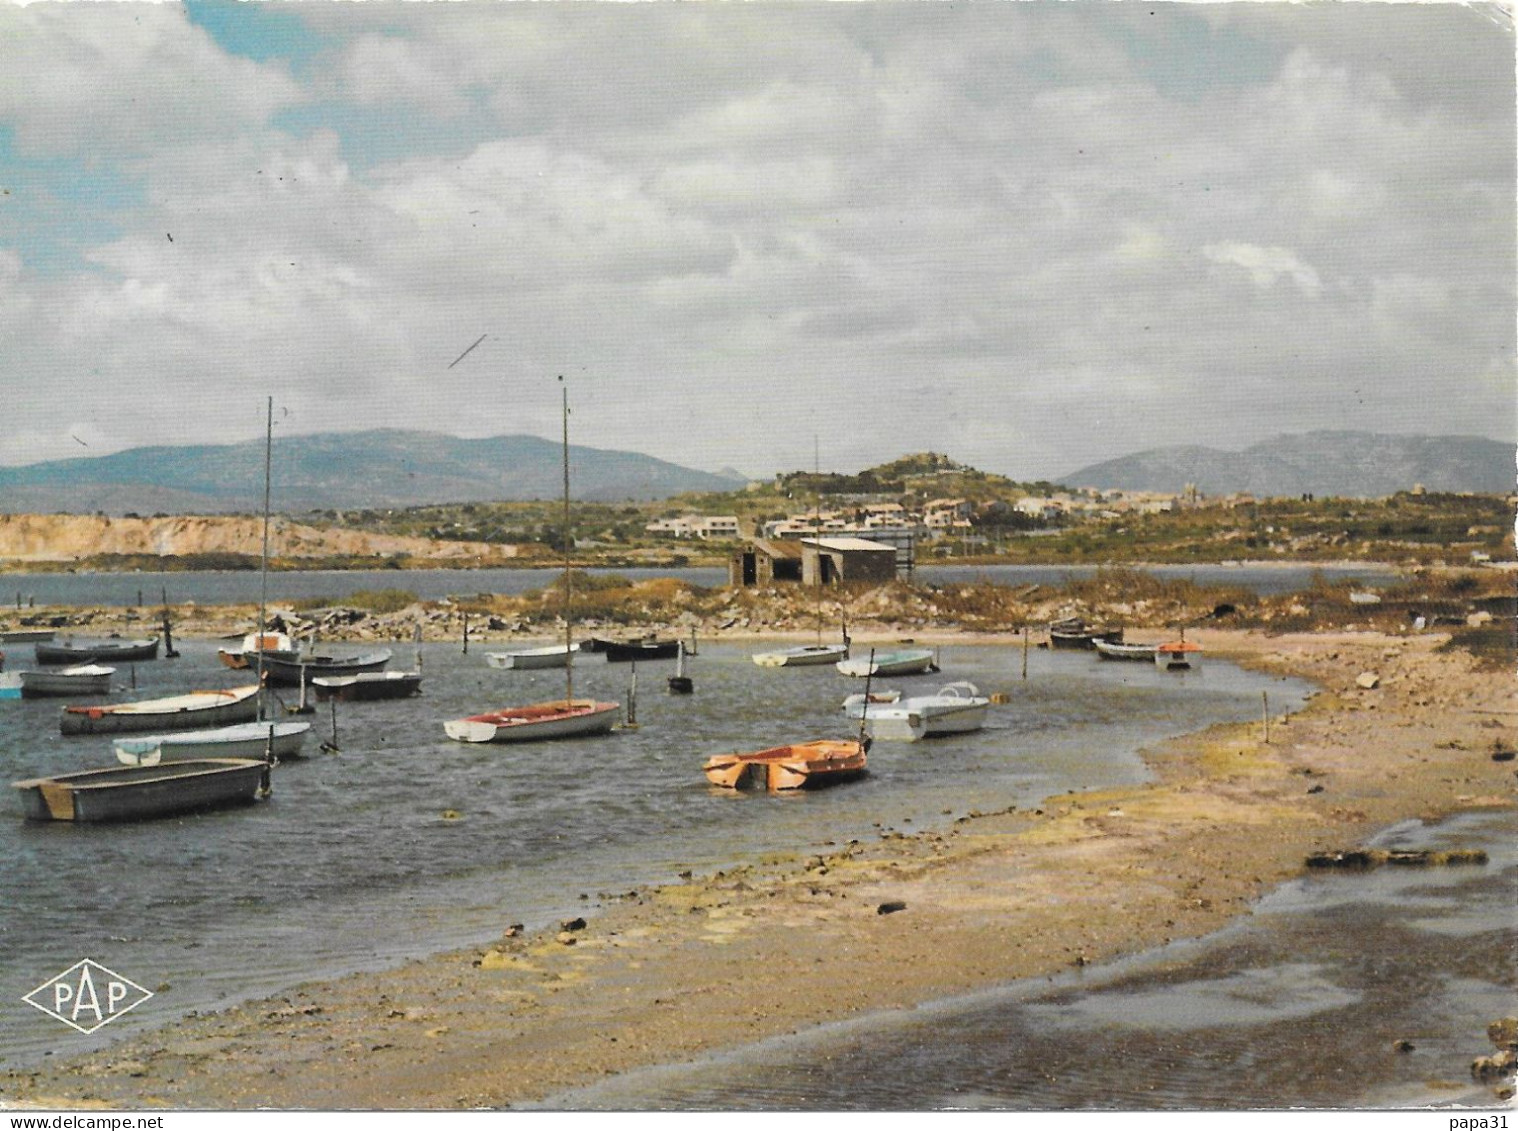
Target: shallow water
1300, 1005
351, 864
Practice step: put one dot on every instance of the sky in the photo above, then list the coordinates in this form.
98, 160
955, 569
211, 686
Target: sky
1030, 235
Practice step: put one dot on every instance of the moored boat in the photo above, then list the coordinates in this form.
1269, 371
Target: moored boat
803, 655
910, 662
529, 659
241, 740
364, 686
135, 793
26, 635
796, 765
71, 651
957, 708
628, 651
293, 672
275, 644
191, 709
81, 679
1075, 633
1118, 650
562, 718
1178, 655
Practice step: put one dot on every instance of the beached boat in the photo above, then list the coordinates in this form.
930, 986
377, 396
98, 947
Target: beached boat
957, 708
276, 644
81, 679
564, 718
71, 651
191, 709
804, 655
243, 740
366, 686
1075, 633
630, 651
1117, 650
527, 659
797, 765
1178, 655
910, 662
293, 672
135, 793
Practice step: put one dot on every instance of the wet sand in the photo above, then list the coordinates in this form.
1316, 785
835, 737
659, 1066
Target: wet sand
660, 975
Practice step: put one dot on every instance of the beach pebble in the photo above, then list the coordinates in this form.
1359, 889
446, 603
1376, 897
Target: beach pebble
576, 924
1367, 680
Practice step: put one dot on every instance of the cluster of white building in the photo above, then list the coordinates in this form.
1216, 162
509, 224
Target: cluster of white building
937, 518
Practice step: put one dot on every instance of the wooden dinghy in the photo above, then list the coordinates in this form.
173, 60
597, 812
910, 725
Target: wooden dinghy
285, 672
1114, 650
797, 765
192, 709
561, 718
138, 793
366, 686
81, 679
70, 651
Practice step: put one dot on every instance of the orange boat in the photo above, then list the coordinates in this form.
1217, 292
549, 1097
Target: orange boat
799, 765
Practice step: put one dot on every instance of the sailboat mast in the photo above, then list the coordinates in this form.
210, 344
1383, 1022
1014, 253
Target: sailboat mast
569, 678
263, 568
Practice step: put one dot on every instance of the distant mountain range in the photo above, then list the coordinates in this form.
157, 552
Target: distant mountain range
342, 471
1342, 464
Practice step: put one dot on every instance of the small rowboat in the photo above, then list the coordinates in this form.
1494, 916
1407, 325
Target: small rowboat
804, 655
629, 651
81, 679
912, 662
527, 659
562, 718
70, 651
242, 740
1075, 633
135, 793
367, 686
1115, 650
798, 765
294, 671
192, 709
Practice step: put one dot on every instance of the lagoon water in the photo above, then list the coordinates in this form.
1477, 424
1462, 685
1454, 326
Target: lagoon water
352, 864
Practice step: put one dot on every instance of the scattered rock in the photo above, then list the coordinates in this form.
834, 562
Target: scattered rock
1402, 1046
566, 938
1494, 1067
576, 924
1367, 680
891, 905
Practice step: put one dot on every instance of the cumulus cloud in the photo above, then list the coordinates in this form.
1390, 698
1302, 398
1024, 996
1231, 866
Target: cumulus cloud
1266, 264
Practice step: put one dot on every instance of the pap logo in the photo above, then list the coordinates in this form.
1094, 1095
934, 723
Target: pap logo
87, 996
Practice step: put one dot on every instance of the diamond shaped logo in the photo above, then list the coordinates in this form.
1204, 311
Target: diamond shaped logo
87, 996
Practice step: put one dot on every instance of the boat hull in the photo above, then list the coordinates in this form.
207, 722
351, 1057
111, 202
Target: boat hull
623, 652
367, 686
283, 672
805, 656
100, 651
138, 793
1178, 657
242, 740
800, 765
193, 709
909, 722
84, 679
556, 719
894, 663
1109, 650
556, 656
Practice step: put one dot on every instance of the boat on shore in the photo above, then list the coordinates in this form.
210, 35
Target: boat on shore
910, 662
366, 686
530, 659
81, 679
796, 765
241, 740
957, 708
190, 709
1118, 650
71, 651
281, 671
143, 792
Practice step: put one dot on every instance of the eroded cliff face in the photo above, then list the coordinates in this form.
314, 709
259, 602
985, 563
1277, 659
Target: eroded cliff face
67, 537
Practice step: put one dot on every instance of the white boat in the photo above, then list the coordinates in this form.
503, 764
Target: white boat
802, 655
243, 740
1117, 650
563, 718
277, 644
912, 662
81, 679
551, 656
956, 709
854, 705
294, 671
191, 709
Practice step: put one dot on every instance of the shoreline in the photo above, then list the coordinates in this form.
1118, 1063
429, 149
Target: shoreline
659, 975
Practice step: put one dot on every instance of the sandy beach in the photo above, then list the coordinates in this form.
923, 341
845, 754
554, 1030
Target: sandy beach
716, 961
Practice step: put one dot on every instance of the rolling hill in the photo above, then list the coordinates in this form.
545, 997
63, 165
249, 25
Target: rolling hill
340, 471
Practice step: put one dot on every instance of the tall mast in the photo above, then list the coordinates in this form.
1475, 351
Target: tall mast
263, 590
569, 678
